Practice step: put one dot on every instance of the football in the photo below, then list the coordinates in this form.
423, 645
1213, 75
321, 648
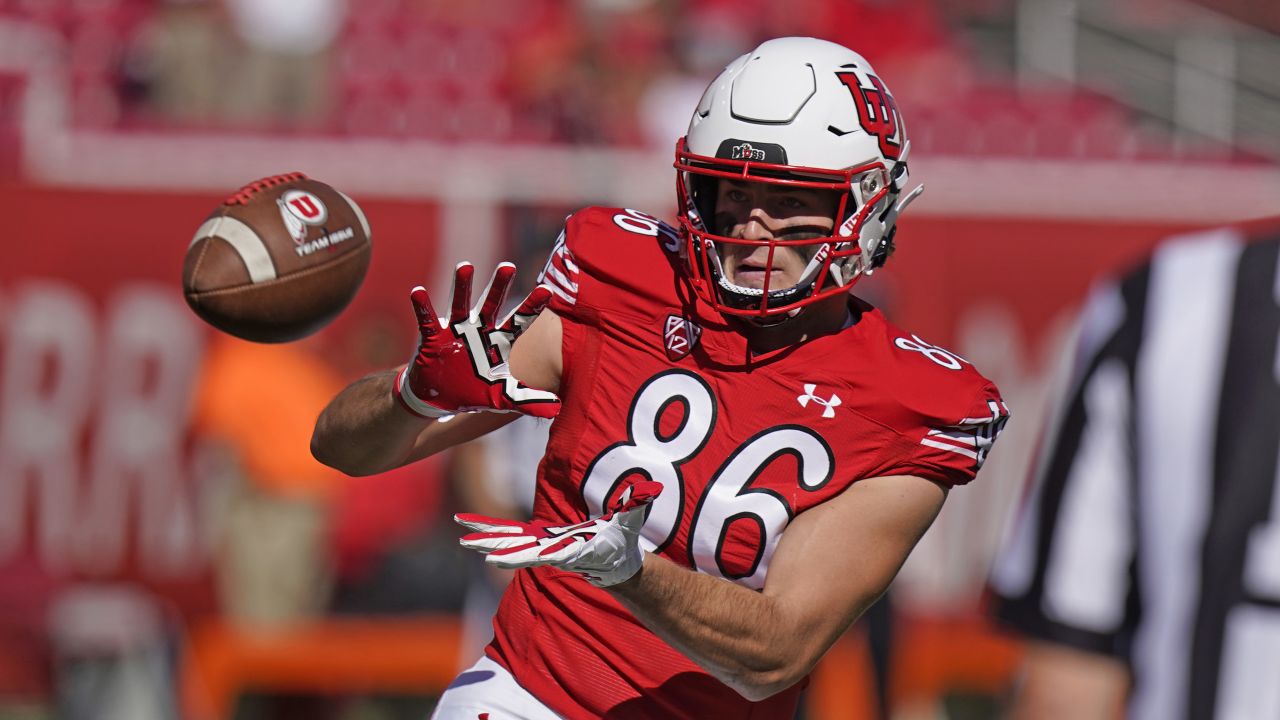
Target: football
277, 260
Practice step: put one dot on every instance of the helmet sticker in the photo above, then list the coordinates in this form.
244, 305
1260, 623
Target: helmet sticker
736, 149
877, 112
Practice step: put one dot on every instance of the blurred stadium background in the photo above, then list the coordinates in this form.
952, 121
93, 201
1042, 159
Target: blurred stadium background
168, 549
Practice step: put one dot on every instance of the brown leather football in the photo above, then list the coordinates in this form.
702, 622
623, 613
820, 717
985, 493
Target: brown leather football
277, 260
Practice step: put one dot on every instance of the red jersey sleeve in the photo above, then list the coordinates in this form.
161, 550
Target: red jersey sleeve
945, 413
605, 258
950, 445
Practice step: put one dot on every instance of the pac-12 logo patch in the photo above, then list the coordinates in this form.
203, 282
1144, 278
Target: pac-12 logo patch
679, 336
298, 209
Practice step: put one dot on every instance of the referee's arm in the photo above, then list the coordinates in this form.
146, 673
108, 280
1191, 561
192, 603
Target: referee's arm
1064, 578
1062, 683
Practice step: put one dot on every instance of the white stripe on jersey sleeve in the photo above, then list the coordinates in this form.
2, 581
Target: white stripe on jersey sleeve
971, 437
971, 454
555, 290
554, 276
561, 273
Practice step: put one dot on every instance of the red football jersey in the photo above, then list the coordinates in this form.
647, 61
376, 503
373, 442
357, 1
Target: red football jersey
657, 384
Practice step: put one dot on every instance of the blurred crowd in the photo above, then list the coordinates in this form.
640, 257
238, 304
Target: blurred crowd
592, 71
595, 72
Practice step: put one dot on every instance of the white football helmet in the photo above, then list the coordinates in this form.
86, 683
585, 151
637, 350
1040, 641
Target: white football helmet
799, 112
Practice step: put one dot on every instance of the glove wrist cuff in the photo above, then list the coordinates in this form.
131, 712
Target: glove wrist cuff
404, 396
624, 572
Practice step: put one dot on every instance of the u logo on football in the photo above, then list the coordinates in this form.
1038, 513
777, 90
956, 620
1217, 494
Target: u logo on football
306, 207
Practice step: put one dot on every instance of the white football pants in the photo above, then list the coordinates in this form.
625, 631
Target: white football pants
486, 691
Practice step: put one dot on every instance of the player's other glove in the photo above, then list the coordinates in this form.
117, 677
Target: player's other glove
606, 549
461, 363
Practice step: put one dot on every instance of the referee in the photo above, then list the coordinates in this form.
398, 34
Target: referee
1144, 566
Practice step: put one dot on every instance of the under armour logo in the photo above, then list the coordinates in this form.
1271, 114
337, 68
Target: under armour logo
828, 405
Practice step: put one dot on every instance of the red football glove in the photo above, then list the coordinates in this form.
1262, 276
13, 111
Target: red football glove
606, 549
461, 364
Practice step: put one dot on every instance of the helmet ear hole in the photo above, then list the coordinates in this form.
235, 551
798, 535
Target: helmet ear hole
869, 184
883, 250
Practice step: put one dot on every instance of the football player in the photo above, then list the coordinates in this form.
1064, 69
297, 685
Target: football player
744, 453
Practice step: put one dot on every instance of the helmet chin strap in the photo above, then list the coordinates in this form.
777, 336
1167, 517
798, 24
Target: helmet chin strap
774, 320
747, 296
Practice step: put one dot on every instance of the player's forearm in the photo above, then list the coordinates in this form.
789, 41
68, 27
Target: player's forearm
363, 430
747, 640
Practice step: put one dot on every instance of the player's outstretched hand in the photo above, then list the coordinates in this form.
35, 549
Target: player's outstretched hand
606, 549
461, 362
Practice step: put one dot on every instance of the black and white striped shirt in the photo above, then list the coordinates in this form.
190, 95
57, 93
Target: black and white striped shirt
1152, 530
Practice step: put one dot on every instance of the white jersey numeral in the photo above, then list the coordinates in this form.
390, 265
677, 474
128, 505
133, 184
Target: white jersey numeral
646, 224
941, 356
648, 453
729, 496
